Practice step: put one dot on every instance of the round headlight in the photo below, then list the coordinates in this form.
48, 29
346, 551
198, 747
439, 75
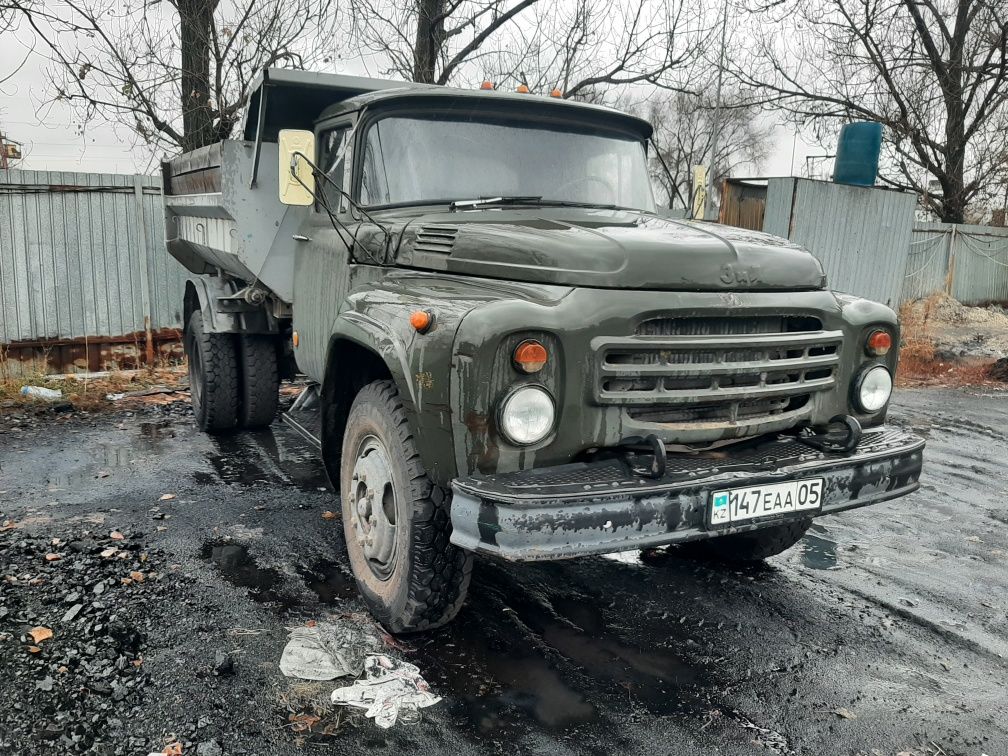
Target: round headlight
526, 416
873, 389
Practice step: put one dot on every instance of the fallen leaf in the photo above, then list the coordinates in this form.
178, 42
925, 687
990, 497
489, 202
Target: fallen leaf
311, 623
173, 749
8, 525
126, 581
108, 553
166, 497
302, 722
845, 713
53, 557
33, 649
327, 515
137, 576
138, 662
115, 535
40, 634
63, 669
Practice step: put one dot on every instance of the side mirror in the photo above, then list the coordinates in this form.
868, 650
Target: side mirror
294, 143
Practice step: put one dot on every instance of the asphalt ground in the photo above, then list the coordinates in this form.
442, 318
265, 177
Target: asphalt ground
883, 632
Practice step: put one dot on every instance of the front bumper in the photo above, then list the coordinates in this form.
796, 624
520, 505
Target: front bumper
600, 507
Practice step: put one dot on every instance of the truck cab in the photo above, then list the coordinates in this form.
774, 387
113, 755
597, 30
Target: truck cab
511, 351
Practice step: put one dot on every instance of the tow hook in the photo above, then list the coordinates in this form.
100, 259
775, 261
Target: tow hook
634, 448
841, 434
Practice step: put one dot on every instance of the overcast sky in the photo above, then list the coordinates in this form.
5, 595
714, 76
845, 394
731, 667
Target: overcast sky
53, 142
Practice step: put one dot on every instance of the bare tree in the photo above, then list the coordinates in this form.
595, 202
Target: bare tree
176, 73
684, 130
582, 47
933, 72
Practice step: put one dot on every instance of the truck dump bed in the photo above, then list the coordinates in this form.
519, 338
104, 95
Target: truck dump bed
222, 209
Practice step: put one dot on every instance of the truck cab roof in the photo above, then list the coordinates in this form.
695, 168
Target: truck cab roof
288, 99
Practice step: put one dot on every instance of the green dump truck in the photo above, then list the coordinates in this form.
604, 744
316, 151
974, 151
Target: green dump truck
511, 351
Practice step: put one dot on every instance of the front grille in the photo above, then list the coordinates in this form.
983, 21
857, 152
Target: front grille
720, 370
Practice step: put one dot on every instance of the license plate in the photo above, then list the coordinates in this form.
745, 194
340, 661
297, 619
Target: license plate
735, 505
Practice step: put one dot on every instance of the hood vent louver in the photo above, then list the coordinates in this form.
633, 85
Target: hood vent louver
436, 239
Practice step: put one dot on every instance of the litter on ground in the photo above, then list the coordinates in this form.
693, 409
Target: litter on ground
326, 650
390, 691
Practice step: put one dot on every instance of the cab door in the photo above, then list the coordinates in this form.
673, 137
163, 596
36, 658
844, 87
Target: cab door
322, 259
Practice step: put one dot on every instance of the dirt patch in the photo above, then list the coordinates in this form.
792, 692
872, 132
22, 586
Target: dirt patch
91, 392
947, 343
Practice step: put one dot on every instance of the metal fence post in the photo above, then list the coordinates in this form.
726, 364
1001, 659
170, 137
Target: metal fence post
145, 292
950, 261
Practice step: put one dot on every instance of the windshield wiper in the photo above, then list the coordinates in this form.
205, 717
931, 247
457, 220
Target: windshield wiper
527, 200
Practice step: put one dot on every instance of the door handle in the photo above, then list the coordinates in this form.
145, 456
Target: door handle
300, 237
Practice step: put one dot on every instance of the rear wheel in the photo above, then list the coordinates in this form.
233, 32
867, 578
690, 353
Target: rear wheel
395, 519
751, 546
259, 381
213, 376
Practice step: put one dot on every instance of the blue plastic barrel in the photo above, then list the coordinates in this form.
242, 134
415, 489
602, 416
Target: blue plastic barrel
857, 154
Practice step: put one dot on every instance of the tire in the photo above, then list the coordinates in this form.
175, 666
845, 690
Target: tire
751, 546
422, 583
258, 381
213, 377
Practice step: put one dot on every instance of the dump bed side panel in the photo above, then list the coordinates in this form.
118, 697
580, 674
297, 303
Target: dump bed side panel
215, 220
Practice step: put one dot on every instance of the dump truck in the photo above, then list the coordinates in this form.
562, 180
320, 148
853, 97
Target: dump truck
508, 349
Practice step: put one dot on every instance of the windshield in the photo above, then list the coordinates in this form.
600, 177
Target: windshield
433, 159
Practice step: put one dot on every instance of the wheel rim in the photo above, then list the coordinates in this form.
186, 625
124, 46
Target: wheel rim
195, 373
373, 500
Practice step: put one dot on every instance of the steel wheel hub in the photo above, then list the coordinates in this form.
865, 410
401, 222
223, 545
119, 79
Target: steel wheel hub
373, 506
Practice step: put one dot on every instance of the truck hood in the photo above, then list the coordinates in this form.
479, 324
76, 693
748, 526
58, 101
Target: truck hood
606, 249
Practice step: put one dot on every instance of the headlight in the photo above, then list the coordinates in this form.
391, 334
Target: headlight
526, 416
872, 389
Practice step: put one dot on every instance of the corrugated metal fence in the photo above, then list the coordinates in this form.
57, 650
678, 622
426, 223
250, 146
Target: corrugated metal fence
861, 235
969, 263
85, 282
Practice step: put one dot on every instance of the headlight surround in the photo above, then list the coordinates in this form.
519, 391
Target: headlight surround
873, 388
526, 415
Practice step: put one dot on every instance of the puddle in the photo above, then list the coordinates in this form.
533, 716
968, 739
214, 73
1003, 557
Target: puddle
238, 567
518, 659
104, 458
249, 459
487, 684
156, 431
818, 551
328, 581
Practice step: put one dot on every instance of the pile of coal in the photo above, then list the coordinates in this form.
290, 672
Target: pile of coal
73, 628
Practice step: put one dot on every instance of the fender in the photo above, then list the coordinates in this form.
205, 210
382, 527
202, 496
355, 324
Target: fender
211, 295
410, 359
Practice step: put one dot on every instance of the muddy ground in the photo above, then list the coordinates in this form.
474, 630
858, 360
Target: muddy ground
884, 631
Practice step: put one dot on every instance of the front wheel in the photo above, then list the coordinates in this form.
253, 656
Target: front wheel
396, 520
751, 546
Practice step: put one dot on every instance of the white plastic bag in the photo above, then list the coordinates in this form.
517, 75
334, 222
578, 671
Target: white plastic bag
390, 691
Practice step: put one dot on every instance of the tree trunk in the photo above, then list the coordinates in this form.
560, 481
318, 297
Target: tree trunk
430, 36
195, 18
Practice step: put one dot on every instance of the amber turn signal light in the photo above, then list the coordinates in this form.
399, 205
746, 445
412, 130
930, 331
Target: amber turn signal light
556, 93
421, 320
530, 356
295, 339
487, 85
878, 343
522, 89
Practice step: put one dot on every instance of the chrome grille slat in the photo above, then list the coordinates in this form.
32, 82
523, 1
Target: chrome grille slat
726, 370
